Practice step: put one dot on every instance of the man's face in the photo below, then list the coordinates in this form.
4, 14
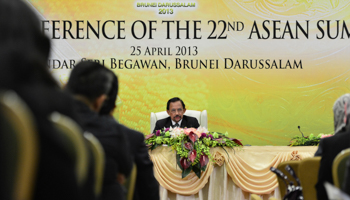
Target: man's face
176, 111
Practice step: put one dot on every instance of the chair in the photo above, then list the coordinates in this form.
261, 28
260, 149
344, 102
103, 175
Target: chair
257, 197
200, 115
75, 144
308, 175
339, 167
18, 146
281, 167
130, 183
254, 197
98, 159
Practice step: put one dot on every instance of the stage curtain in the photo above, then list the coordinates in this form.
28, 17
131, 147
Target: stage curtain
236, 173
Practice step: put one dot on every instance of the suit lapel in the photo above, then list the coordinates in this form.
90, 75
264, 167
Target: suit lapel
168, 123
184, 122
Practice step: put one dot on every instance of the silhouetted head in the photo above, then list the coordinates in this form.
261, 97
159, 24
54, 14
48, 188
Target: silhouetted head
109, 104
24, 49
92, 81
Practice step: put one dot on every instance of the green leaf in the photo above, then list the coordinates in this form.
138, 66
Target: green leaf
227, 154
186, 172
204, 167
197, 170
154, 146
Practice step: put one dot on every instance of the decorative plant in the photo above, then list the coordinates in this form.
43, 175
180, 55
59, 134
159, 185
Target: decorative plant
310, 140
191, 145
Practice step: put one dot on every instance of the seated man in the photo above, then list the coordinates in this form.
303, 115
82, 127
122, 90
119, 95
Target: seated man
90, 83
176, 109
146, 186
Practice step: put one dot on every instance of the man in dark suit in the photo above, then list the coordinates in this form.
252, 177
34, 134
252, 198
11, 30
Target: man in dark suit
331, 147
90, 83
176, 109
24, 52
147, 187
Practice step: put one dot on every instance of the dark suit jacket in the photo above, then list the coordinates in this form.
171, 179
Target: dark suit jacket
55, 176
187, 121
331, 147
147, 187
115, 145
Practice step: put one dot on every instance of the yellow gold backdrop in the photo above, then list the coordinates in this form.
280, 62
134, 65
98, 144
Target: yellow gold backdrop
261, 106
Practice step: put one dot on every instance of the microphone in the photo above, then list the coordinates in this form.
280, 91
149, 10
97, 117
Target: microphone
300, 131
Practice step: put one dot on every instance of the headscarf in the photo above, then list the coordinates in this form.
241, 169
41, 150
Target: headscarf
341, 109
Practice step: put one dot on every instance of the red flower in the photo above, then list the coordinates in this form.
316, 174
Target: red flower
149, 136
193, 137
236, 141
158, 133
188, 146
204, 160
192, 155
184, 163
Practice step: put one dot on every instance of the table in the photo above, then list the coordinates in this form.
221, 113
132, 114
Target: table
236, 173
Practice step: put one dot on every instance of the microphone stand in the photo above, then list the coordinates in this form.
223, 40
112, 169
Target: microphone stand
301, 132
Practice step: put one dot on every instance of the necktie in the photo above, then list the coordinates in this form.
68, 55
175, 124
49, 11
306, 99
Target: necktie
176, 125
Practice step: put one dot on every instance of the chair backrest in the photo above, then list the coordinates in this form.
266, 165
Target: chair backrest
281, 167
98, 159
201, 116
130, 183
74, 143
18, 146
308, 175
339, 167
255, 197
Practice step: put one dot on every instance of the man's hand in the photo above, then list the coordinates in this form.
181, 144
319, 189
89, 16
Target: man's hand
121, 179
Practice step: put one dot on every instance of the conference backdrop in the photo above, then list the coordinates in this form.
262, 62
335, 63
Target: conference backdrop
260, 68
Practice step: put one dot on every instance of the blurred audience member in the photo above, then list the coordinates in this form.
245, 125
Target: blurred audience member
90, 83
24, 52
339, 109
147, 187
332, 146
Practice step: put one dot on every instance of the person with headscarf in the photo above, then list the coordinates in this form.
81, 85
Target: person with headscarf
330, 147
340, 108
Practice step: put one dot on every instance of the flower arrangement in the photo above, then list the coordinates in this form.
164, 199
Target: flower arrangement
310, 140
191, 145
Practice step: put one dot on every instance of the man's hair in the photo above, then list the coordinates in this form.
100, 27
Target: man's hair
175, 99
109, 103
24, 49
89, 79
